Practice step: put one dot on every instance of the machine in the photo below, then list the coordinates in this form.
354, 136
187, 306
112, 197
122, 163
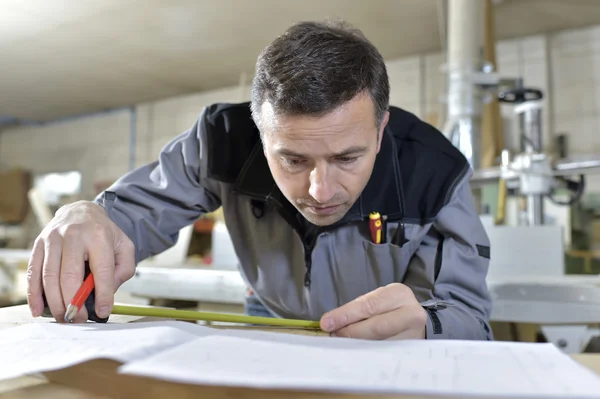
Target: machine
527, 273
531, 173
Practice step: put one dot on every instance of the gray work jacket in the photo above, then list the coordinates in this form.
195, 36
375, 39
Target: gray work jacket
435, 241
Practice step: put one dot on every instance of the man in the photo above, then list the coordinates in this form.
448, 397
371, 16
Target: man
298, 173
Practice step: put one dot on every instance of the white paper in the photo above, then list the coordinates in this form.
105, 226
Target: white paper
38, 347
459, 368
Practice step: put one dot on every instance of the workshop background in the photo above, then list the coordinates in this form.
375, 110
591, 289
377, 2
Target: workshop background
91, 89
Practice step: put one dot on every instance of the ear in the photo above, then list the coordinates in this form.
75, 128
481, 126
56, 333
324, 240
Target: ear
384, 123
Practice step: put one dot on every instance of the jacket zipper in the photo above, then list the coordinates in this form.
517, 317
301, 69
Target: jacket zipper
308, 248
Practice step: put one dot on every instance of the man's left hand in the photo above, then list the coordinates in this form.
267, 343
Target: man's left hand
387, 312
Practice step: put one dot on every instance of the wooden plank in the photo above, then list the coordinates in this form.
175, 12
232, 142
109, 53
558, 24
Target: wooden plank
100, 378
589, 360
50, 391
14, 384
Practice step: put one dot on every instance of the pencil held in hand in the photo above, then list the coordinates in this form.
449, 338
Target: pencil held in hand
79, 299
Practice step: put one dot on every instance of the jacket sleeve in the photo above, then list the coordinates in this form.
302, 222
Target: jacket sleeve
448, 271
152, 203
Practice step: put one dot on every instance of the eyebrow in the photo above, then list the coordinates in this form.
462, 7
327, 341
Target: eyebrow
348, 151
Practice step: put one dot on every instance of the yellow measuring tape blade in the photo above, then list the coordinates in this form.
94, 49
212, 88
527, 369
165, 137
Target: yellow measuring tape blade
210, 316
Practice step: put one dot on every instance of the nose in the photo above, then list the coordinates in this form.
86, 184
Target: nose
321, 188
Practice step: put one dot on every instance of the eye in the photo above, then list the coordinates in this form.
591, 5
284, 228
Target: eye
291, 162
347, 160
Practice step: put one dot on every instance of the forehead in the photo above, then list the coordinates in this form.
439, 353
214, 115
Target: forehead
350, 119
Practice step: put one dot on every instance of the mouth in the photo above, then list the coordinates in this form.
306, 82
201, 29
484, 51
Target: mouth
324, 210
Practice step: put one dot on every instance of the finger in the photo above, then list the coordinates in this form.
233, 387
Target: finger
50, 276
72, 265
81, 316
381, 300
34, 279
404, 323
101, 256
124, 263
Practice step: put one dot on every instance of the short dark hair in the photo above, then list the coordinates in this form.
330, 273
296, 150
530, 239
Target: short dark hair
315, 67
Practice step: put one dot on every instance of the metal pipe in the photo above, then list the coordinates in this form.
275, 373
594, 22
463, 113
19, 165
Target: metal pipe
531, 129
465, 100
566, 167
530, 121
535, 210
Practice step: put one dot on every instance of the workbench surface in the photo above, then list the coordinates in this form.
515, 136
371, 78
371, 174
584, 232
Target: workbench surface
98, 378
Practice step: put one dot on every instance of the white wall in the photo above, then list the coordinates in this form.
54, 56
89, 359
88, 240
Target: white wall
98, 146
565, 65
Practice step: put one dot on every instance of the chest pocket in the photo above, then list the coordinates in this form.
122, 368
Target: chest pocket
365, 266
384, 263
387, 263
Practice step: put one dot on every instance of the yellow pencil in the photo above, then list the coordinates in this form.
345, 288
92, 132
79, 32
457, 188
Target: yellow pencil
210, 316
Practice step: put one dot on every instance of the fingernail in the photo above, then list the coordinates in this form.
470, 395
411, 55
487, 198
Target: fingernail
103, 312
328, 324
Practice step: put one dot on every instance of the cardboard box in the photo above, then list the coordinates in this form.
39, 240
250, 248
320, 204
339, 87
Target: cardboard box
14, 205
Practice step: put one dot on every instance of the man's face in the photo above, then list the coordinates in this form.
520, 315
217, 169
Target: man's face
322, 164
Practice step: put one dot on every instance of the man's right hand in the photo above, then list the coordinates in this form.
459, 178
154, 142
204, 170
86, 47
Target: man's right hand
79, 232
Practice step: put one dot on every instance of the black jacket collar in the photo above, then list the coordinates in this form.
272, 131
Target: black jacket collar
383, 192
